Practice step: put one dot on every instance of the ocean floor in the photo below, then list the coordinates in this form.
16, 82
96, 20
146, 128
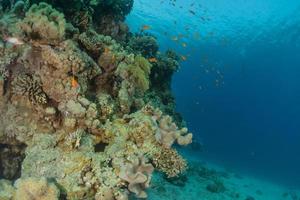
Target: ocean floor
205, 181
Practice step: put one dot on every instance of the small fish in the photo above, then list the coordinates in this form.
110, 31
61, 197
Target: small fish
13, 40
184, 44
174, 38
183, 58
192, 12
74, 83
152, 60
145, 27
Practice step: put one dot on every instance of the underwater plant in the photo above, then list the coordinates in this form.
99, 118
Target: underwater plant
78, 107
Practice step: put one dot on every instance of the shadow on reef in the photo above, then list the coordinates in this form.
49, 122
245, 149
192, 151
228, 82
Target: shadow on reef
11, 157
86, 106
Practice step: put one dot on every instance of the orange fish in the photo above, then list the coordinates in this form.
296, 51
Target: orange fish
183, 58
152, 60
145, 27
74, 83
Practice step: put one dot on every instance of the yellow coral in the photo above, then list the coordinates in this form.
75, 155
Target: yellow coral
32, 188
169, 161
143, 64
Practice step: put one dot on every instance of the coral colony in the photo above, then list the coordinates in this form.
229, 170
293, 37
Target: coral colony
84, 113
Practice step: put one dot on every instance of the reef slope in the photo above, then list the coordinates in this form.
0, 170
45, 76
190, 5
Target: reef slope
84, 113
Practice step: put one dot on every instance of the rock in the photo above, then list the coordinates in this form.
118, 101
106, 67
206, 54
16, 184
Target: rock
216, 187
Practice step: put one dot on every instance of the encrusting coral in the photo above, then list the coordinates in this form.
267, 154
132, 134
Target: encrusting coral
82, 113
31, 188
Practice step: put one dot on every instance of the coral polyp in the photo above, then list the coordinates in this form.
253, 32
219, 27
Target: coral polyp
78, 104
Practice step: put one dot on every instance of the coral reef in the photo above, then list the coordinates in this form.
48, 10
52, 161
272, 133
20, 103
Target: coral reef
138, 175
83, 115
170, 162
43, 23
6, 189
146, 45
31, 188
11, 157
30, 86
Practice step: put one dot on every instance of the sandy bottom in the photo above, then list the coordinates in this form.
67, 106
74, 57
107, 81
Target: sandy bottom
204, 181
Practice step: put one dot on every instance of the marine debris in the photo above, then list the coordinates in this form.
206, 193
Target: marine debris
84, 113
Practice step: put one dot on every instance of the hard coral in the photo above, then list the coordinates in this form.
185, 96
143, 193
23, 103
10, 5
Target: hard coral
143, 44
57, 66
32, 188
6, 189
30, 86
169, 161
8, 57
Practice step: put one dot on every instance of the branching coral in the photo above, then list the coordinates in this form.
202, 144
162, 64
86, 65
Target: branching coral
31, 87
169, 161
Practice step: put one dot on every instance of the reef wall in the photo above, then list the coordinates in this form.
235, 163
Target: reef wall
86, 107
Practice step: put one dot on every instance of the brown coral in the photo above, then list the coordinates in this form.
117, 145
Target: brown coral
30, 86
57, 65
169, 161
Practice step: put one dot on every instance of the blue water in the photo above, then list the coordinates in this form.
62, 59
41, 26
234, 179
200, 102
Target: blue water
239, 89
